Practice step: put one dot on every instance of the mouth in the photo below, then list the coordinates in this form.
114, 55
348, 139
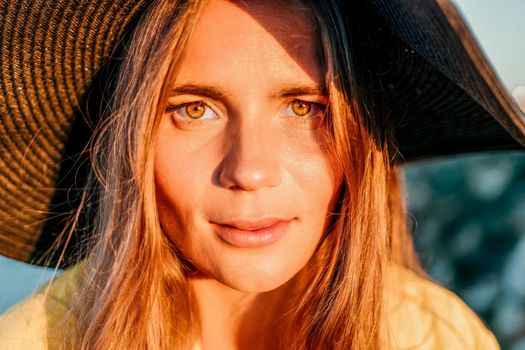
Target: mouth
252, 233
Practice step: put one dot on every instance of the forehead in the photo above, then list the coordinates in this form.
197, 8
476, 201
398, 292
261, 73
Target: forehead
261, 40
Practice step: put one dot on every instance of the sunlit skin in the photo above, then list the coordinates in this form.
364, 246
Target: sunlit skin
243, 138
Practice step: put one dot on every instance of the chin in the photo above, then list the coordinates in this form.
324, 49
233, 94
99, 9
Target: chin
257, 281
255, 286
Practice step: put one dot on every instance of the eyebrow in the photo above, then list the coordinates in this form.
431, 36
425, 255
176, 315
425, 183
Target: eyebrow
217, 93
300, 90
200, 90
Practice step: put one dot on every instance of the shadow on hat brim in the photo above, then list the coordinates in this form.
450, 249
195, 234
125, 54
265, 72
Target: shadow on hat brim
440, 94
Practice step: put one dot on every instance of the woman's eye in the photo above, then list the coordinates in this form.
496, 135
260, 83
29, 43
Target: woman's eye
301, 108
197, 110
305, 109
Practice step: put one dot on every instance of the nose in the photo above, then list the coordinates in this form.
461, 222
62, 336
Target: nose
252, 159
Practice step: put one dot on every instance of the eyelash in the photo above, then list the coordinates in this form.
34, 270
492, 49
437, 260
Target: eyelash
173, 108
317, 109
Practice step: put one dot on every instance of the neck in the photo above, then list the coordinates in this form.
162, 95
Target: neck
230, 319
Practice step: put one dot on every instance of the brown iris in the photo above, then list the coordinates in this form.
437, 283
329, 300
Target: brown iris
301, 108
195, 110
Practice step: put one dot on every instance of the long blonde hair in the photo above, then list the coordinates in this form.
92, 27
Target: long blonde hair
134, 292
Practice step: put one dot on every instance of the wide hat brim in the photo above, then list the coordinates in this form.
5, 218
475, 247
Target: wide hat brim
442, 95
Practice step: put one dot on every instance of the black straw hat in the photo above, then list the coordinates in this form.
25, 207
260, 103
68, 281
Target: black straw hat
442, 95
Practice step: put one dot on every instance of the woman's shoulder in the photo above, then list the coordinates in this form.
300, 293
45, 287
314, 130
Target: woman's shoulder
423, 315
39, 321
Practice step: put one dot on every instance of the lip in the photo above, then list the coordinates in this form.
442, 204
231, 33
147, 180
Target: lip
252, 233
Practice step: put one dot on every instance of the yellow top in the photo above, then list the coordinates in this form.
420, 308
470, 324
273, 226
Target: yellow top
420, 315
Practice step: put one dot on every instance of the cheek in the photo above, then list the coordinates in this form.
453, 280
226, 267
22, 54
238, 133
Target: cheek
317, 179
315, 171
183, 164
171, 215
179, 210
180, 173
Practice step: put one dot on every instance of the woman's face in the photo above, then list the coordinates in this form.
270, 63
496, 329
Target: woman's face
243, 180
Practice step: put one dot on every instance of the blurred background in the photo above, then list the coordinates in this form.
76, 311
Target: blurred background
467, 212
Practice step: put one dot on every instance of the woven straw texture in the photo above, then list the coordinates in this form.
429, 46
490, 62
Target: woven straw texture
49, 60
